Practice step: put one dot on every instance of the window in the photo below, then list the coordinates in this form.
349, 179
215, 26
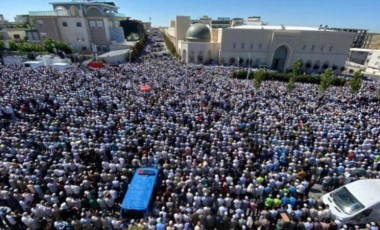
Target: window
331, 48
234, 45
32, 35
16, 36
312, 47
378, 57
92, 24
377, 63
242, 45
303, 47
43, 35
251, 46
99, 24
346, 201
260, 45
364, 214
40, 23
84, 48
64, 24
322, 47
79, 24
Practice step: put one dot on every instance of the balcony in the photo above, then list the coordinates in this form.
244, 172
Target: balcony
115, 15
49, 13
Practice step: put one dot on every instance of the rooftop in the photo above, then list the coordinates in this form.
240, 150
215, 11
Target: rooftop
115, 53
266, 27
66, 13
366, 191
363, 50
48, 13
86, 2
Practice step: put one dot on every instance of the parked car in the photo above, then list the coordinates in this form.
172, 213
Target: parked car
355, 203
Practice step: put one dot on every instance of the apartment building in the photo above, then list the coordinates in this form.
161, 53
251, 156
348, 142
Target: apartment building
86, 26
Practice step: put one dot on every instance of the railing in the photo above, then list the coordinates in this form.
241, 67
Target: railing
65, 13
119, 15
100, 1
48, 13
115, 15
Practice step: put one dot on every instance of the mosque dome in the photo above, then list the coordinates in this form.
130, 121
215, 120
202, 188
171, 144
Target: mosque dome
198, 32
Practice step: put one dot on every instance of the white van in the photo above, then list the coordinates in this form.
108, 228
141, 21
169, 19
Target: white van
33, 64
60, 66
355, 203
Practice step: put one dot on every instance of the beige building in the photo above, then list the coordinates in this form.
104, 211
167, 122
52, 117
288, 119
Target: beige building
17, 34
367, 60
86, 26
257, 44
373, 41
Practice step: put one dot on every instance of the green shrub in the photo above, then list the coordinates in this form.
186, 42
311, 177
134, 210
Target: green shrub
50, 44
283, 77
169, 44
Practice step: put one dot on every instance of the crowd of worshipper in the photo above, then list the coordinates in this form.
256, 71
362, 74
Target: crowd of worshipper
232, 157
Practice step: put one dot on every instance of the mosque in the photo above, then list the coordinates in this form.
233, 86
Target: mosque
256, 44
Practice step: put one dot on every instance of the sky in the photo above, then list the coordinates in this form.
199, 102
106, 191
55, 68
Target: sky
363, 14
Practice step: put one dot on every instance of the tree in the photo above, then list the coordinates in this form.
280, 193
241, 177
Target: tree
51, 46
2, 45
292, 82
326, 79
297, 67
13, 46
378, 94
259, 77
63, 47
169, 45
356, 82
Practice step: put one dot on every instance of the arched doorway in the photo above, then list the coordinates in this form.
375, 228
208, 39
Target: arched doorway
191, 56
200, 57
93, 11
279, 59
74, 11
